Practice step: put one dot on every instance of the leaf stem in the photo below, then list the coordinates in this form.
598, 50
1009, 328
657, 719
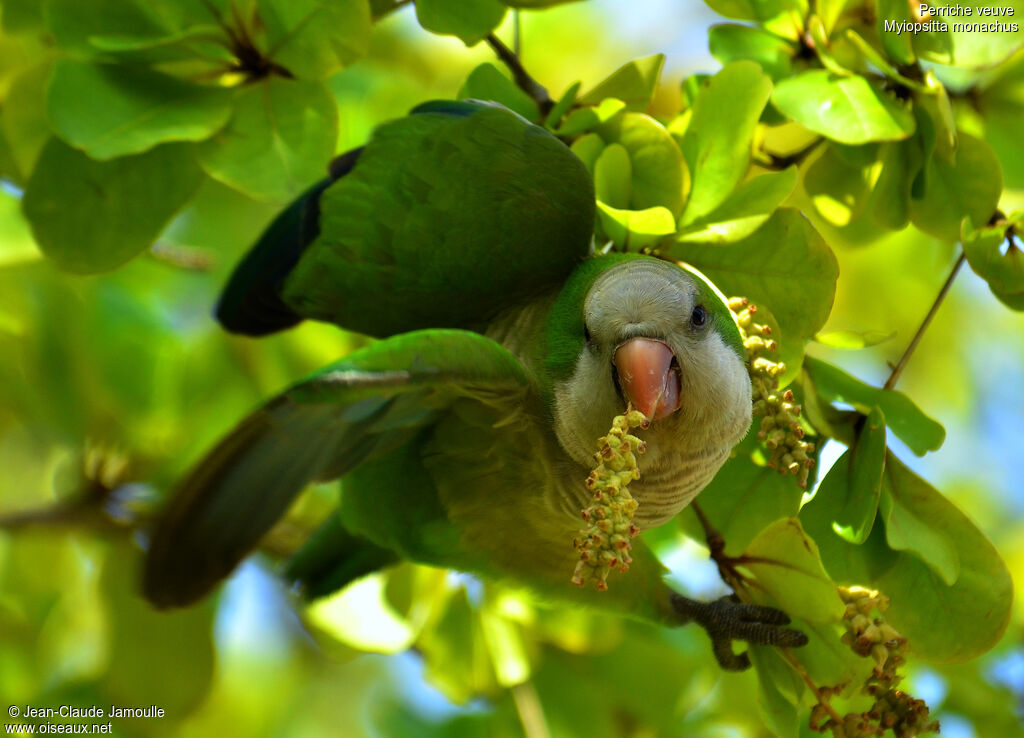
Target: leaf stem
522, 78
902, 363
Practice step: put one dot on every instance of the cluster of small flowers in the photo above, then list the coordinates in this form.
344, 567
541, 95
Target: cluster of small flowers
780, 426
892, 710
604, 545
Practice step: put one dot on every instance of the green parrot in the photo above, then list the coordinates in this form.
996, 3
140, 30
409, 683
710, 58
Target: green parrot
461, 237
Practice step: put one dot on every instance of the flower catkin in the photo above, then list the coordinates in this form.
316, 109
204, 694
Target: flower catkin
605, 543
872, 637
780, 428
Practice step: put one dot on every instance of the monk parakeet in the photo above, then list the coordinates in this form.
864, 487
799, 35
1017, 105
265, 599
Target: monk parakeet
461, 237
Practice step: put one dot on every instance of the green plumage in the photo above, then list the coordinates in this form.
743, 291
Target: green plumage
461, 235
486, 210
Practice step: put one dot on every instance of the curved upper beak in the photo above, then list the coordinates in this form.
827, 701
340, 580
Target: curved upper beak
649, 376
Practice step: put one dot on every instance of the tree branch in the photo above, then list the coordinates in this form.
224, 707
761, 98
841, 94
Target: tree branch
902, 363
522, 78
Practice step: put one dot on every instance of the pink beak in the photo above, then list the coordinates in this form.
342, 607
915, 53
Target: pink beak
647, 376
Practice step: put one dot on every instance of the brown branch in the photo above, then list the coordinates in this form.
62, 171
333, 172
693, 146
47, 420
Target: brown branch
522, 78
902, 363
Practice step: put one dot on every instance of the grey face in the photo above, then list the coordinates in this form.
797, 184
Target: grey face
648, 333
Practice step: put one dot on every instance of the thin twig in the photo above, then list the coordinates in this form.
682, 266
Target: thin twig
898, 369
522, 78
783, 161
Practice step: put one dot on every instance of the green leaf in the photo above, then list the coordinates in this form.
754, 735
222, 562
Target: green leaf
92, 216
779, 691
950, 624
612, 175
916, 429
588, 148
943, 623
857, 477
744, 211
759, 10
633, 83
23, 119
561, 107
996, 260
788, 569
1002, 101
278, 142
969, 186
838, 189
889, 201
16, 244
785, 267
731, 42
909, 523
146, 645
634, 229
846, 109
717, 141
741, 500
657, 164
898, 47
587, 119
470, 20
313, 39
113, 110
487, 83
853, 339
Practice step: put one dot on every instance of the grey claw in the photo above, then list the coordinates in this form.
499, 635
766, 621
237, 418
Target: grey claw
728, 619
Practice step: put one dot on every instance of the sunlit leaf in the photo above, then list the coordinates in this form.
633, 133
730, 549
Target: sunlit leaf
633, 83
745, 210
731, 42
91, 216
780, 691
852, 339
587, 119
658, 172
718, 139
634, 229
560, 108
788, 569
612, 176
846, 109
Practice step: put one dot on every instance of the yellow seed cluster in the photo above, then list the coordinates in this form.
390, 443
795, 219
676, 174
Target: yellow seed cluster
872, 637
780, 428
604, 544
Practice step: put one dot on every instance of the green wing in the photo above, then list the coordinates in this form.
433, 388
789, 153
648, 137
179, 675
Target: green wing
449, 216
350, 412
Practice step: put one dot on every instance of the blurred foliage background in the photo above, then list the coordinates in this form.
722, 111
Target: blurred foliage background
132, 362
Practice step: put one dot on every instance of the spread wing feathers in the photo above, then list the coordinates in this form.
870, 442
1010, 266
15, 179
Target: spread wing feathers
367, 404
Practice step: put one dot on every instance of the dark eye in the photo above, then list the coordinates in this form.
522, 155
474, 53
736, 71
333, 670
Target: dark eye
586, 334
699, 316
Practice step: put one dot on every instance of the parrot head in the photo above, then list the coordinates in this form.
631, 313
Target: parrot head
650, 333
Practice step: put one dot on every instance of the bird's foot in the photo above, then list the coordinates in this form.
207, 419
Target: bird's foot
728, 619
